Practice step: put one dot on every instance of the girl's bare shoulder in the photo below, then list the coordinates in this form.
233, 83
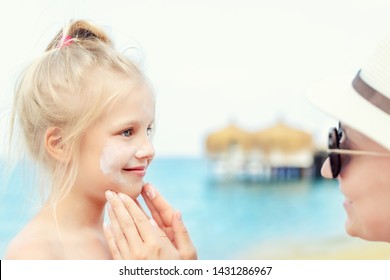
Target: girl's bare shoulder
35, 241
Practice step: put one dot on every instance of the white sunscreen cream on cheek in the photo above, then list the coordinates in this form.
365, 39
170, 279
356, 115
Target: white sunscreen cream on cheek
114, 156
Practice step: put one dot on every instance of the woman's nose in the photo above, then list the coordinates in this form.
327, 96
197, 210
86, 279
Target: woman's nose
326, 171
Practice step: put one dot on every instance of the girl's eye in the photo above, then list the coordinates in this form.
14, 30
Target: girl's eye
127, 132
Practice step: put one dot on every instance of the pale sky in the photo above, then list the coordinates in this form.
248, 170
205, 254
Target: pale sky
212, 62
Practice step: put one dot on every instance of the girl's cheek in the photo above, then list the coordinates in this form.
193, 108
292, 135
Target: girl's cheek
114, 157
109, 158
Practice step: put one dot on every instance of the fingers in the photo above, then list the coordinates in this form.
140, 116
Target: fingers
140, 207
133, 222
114, 250
123, 242
132, 235
122, 224
182, 238
160, 209
167, 231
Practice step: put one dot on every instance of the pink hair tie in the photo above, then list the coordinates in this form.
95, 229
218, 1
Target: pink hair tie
65, 41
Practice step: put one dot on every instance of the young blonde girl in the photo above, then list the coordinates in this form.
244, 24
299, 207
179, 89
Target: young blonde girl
86, 115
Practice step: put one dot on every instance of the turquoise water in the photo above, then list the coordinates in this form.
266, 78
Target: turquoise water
224, 219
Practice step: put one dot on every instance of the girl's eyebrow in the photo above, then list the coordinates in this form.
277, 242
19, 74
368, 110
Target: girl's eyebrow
126, 123
130, 123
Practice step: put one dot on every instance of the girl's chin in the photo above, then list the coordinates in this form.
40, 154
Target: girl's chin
133, 190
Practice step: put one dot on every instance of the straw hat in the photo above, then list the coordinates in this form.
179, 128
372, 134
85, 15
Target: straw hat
361, 102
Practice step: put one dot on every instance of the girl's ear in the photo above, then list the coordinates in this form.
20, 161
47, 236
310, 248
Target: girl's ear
54, 144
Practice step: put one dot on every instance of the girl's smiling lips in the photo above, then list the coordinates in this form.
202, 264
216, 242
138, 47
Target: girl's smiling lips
137, 170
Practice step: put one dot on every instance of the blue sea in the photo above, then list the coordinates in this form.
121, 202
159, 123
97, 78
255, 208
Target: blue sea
224, 219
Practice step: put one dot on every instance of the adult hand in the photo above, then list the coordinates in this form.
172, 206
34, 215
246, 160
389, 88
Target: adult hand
169, 221
132, 235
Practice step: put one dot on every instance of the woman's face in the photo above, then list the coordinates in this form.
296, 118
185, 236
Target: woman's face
365, 184
117, 150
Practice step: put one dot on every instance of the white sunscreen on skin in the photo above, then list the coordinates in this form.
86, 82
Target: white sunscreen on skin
111, 161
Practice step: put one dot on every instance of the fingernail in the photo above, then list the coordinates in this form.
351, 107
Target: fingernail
179, 216
122, 197
150, 192
109, 195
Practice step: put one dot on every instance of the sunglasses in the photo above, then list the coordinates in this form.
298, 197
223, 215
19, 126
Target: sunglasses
337, 136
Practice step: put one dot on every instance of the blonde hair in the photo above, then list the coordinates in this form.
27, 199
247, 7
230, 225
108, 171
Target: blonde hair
53, 92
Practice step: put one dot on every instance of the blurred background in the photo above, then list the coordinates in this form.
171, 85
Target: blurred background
238, 146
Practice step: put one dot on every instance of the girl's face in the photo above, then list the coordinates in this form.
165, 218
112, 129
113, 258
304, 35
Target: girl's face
117, 150
365, 183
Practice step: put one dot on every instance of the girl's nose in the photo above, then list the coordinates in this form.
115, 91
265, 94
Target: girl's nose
326, 171
146, 150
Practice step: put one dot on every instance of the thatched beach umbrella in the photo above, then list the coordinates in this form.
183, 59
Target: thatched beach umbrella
227, 138
282, 137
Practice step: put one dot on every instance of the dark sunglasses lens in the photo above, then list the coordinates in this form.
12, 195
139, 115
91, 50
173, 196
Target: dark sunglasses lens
335, 164
335, 159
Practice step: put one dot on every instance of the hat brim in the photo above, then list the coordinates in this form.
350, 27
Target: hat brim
336, 97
